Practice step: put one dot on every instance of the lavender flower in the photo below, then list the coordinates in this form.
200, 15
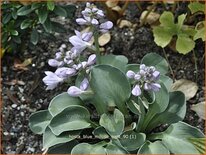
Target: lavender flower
146, 79
65, 72
51, 80
104, 27
80, 41
54, 63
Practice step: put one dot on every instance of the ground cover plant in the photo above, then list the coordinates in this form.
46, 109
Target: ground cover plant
116, 103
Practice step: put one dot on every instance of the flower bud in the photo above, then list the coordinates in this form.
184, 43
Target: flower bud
74, 91
136, 91
130, 74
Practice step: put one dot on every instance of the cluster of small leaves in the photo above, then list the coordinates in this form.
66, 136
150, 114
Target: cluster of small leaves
184, 35
121, 123
21, 22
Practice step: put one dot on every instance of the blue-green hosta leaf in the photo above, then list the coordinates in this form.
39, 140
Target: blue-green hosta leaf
85, 148
118, 61
49, 139
175, 111
167, 81
62, 101
133, 67
100, 132
141, 116
134, 107
74, 117
38, 121
176, 138
153, 148
113, 123
199, 144
110, 86
160, 105
196, 6
131, 140
113, 148
153, 59
200, 28
184, 44
64, 148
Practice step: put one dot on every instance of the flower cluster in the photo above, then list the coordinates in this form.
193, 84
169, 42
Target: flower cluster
68, 64
146, 78
94, 17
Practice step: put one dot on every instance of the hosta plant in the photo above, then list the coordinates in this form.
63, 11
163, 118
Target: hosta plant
112, 107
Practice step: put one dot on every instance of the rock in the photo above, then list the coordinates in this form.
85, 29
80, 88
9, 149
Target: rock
14, 105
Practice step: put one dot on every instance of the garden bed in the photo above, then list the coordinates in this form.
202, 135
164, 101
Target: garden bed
23, 91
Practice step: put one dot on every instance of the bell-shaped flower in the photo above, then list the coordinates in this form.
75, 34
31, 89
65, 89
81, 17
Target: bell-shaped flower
152, 86
136, 91
130, 74
54, 63
74, 91
155, 75
51, 80
91, 60
84, 84
78, 43
65, 72
104, 27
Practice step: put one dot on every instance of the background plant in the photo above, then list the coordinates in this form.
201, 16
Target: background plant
130, 101
31, 21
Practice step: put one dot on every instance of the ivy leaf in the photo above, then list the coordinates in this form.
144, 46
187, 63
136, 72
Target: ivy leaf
34, 37
42, 14
113, 123
196, 6
25, 10
60, 11
184, 44
50, 5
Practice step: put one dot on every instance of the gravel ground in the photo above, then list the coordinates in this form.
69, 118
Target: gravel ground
27, 94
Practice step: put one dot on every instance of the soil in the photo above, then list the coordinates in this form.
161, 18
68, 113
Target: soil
27, 94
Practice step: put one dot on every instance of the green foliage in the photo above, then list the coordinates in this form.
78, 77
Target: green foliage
168, 29
31, 21
125, 123
196, 7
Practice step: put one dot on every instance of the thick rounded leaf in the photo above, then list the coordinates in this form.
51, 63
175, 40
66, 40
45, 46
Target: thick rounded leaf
113, 123
153, 59
153, 148
184, 44
64, 148
175, 111
133, 67
160, 105
85, 148
167, 81
200, 28
196, 7
100, 132
118, 61
49, 139
38, 121
62, 101
131, 140
162, 37
71, 118
134, 107
111, 87
176, 138
115, 149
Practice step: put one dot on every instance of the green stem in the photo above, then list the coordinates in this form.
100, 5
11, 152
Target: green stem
171, 71
96, 42
196, 68
138, 5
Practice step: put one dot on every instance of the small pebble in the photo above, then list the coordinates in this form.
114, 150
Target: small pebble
6, 133
22, 114
33, 65
14, 105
